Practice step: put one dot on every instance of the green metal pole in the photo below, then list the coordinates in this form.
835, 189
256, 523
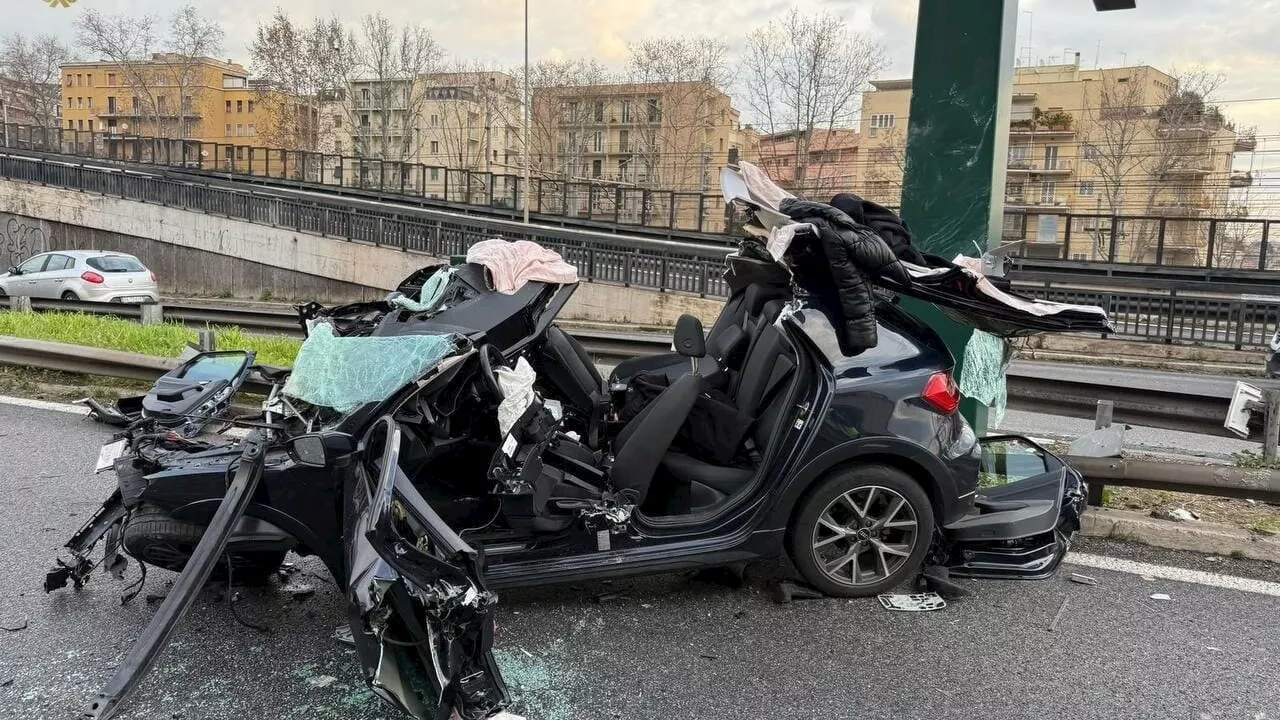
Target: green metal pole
957, 141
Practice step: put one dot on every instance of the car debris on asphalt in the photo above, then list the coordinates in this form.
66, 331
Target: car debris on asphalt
916, 602
1082, 579
1053, 624
1160, 596
785, 591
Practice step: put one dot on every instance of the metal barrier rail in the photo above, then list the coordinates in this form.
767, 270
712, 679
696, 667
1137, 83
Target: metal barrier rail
640, 262
1211, 480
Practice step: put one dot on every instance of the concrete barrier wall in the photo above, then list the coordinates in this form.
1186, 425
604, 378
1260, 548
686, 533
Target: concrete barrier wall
198, 254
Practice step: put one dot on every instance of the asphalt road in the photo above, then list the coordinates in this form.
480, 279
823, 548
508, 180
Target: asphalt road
663, 647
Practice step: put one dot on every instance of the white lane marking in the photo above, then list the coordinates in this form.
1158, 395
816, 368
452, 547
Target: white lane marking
44, 405
1164, 572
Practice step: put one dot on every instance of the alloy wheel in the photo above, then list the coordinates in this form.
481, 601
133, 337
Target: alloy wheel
865, 535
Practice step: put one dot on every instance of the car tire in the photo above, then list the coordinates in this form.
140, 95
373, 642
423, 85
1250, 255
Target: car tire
154, 537
869, 522
68, 295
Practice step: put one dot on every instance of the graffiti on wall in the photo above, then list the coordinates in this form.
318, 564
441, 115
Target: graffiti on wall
20, 238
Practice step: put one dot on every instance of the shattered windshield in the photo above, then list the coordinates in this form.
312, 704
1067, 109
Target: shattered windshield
344, 373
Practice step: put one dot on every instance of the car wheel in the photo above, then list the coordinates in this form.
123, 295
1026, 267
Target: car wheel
68, 295
862, 531
155, 538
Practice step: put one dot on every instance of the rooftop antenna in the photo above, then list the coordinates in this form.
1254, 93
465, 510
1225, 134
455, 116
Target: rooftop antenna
1031, 18
1097, 55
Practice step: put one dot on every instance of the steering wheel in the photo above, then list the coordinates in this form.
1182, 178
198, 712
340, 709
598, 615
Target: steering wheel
487, 369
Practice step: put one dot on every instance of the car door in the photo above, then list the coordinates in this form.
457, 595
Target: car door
30, 274
420, 615
58, 271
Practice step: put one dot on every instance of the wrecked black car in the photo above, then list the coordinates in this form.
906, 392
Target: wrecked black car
453, 439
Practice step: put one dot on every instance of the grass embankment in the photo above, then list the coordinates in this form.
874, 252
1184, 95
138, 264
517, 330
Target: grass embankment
164, 340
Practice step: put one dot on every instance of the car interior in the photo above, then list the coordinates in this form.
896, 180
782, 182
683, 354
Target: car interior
629, 433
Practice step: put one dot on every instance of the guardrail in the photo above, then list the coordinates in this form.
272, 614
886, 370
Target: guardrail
1261, 485
629, 261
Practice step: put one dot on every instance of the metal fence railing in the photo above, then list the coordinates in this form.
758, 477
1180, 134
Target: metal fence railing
642, 262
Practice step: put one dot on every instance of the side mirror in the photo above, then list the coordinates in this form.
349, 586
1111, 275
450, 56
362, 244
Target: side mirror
322, 449
690, 341
13, 270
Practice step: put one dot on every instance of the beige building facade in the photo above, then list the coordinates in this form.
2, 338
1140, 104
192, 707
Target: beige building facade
1085, 146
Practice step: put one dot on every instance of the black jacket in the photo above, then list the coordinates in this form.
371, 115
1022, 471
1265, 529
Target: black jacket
884, 222
835, 266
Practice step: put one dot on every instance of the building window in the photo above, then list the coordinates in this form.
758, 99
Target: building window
251, 133
250, 106
435, 173
622, 168
227, 132
1086, 187
624, 141
239, 106
495, 156
240, 152
1048, 193
68, 81
71, 124
79, 77
598, 142
595, 168
655, 110
364, 96
1013, 188
79, 103
90, 79
239, 130
80, 124
68, 103
883, 121
161, 105
111, 79
573, 142
626, 111
599, 112
337, 121
364, 120
435, 121
228, 106
435, 147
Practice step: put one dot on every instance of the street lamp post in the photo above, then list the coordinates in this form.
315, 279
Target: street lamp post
527, 110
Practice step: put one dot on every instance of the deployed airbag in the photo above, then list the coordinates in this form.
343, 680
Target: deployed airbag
344, 373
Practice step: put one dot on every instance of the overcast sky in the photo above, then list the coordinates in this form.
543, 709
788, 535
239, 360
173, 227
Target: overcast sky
1236, 37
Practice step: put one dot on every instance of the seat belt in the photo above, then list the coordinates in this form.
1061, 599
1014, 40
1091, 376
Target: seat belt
776, 384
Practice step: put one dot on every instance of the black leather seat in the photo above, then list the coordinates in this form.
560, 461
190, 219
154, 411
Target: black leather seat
727, 342
760, 393
566, 365
642, 443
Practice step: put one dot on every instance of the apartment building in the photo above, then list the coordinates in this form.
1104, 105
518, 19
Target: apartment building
816, 163
23, 104
1086, 145
419, 129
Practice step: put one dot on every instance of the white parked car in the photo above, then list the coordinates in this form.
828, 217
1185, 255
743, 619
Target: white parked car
91, 275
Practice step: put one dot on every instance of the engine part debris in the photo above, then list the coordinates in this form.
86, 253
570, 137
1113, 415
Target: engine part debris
343, 635
1160, 596
917, 602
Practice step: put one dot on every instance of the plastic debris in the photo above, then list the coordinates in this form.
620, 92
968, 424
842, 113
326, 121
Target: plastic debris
785, 591
1053, 624
343, 635
301, 591
322, 681
1082, 579
344, 373
937, 579
916, 602
14, 625
1105, 442
1160, 596
1174, 514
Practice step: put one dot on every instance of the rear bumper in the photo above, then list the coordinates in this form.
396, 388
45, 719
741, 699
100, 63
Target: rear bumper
117, 295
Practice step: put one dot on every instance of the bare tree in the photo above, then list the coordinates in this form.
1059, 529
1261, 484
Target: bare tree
684, 77
294, 64
806, 72
558, 121
1150, 153
30, 74
381, 67
164, 73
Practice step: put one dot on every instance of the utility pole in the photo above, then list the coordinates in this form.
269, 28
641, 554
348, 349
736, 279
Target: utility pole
528, 109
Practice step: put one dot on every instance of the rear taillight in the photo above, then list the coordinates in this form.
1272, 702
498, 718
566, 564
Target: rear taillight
153, 277
90, 276
941, 392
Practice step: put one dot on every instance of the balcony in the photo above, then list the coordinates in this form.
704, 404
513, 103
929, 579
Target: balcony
1021, 202
123, 114
1039, 167
1192, 166
1241, 179
1246, 143
1032, 132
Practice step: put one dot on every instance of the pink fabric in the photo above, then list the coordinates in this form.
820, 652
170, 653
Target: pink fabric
512, 264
